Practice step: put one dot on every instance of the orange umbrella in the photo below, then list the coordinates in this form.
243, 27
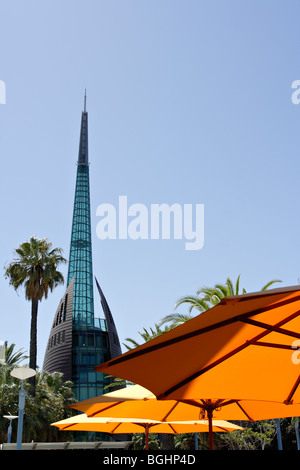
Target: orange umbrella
137, 425
140, 402
245, 348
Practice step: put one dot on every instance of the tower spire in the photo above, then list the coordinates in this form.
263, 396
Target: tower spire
78, 341
83, 154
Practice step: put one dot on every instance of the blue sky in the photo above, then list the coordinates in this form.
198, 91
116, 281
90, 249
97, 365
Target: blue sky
189, 102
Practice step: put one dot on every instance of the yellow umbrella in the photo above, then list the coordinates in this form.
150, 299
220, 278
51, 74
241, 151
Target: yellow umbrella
242, 352
137, 425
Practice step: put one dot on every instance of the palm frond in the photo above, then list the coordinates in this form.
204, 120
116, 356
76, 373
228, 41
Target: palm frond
207, 297
269, 284
237, 285
175, 319
194, 302
36, 268
132, 341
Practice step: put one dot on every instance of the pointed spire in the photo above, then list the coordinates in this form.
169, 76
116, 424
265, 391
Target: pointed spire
83, 154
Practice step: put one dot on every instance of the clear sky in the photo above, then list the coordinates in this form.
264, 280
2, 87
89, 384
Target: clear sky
189, 102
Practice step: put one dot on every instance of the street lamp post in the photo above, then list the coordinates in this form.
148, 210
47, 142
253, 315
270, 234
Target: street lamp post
10, 417
21, 373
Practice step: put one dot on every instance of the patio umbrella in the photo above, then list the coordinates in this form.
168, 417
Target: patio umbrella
246, 347
137, 425
243, 349
135, 400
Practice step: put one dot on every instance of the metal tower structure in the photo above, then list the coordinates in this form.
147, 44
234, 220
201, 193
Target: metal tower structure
78, 341
80, 258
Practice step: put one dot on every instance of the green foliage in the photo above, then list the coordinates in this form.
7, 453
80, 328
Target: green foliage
35, 267
139, 442
255, 436
49, 405
12, 357
147, 335
11, 360
206, 298
115, 383
181, 441
175, 319
187, 441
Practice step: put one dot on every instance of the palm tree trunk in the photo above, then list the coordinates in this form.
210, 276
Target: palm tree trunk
33, 341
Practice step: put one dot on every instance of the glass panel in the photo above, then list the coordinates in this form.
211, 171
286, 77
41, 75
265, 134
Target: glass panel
92, 359
84, 393
84, 359
92, 392
91, 340
91, 376
83, 376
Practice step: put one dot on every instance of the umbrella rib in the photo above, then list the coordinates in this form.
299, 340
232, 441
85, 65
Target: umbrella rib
272, 327
230, 354
116, 427
166, 343
207, 404
292, 392
170, 411
66, 427
202, 371
146, 350
210, 366
217, 404
222, 429
174, 431
142, 425
243, 410
273, 345
104, 409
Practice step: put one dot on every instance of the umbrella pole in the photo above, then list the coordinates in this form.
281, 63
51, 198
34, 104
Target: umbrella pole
147, 436
209, 415
297, 433
196, 441
279, 440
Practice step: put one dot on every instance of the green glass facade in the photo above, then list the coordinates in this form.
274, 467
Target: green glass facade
90, 344
80, 259
78, 341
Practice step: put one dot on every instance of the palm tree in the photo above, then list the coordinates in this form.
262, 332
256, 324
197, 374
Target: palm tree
146, 335
36, 268
13, 358
206, 298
